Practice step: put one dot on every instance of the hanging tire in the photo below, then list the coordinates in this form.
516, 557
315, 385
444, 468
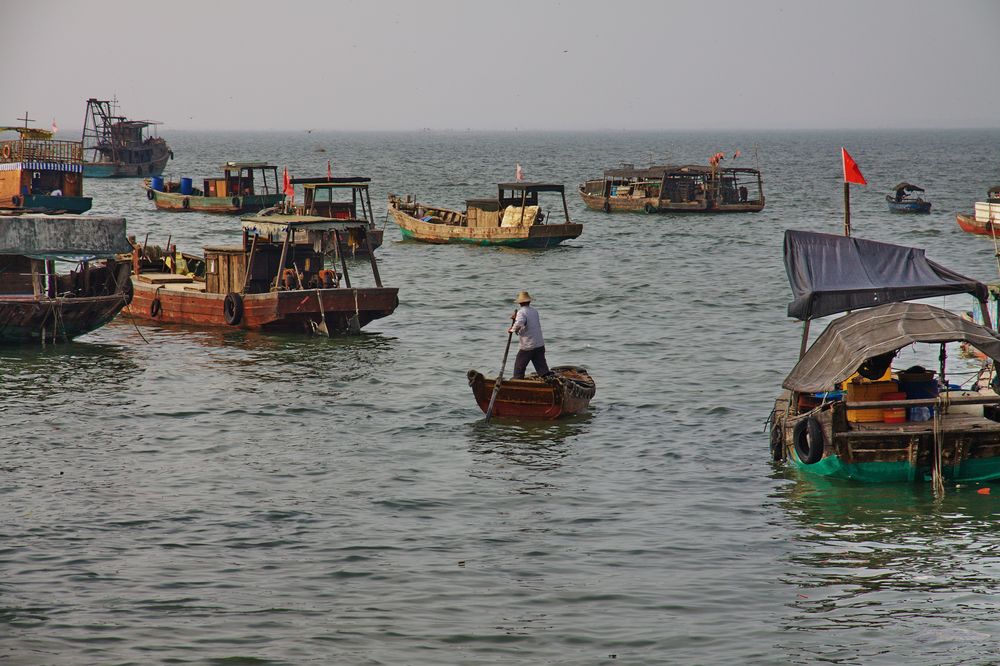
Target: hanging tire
155, 308
186, 203
232, 308
15, 200
809, 442
650, 208
150, 195
236, 202
607, 207
128, 291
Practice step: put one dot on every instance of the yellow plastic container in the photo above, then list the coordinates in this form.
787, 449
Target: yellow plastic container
865, 391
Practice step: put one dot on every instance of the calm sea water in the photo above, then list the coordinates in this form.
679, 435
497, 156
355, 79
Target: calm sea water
174, 495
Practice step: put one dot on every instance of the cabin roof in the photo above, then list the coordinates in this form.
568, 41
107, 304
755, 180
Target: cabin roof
851, 340
63, 236
247, 165
659, 170
532, 187
271, 224
339, 181
830, 274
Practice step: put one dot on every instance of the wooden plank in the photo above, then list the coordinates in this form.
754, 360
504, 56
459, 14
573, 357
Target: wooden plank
164, 278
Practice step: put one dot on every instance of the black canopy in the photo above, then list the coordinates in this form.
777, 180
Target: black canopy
907, 187
851, 340
830, 274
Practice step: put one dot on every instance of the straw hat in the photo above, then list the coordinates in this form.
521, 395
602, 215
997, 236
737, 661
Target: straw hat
523, 297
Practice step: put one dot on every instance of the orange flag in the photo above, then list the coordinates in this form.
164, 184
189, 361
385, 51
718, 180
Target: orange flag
287, 188
852, 174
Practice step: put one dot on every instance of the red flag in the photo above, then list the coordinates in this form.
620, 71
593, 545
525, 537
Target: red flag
736, 154
55, 128
329, 171
287, 185
518, 173
852, 174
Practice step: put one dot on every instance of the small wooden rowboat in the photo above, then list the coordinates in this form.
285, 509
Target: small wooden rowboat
567, 391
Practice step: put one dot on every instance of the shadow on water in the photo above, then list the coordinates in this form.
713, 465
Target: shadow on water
536, 445
30, 371
893, 555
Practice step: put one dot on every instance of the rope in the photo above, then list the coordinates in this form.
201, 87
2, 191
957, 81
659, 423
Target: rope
937, 476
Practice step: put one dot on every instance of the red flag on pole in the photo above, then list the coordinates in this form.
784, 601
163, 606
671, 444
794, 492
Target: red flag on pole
55, 128
287, 188
329, 171
518, 173
852, 174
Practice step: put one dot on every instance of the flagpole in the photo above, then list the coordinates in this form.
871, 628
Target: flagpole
847, 208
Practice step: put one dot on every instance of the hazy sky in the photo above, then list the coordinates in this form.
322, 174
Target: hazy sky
505, 64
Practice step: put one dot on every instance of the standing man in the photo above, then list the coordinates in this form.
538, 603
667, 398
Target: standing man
529, 330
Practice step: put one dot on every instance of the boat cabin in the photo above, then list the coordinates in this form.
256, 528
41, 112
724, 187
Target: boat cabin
516, 205
243, 179
663, 188
327, 197
41, 174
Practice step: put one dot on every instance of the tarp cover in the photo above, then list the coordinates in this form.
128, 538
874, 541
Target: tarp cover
851, 340
52, 237
830, 274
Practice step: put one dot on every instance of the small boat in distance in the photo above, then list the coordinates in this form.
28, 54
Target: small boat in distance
321, 203
116, 147
274, 280
689, 188
567, 391
514, 219
902, 202
39, 305
245, 187
986, 216
39, 174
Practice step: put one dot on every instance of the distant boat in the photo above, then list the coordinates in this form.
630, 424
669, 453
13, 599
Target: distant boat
116, 147
902, 202
39, 305
39, 174
245, 187
985, 220
567, 391
676, 189
514, 219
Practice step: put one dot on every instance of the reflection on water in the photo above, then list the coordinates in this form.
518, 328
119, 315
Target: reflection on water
872, 556
30, 372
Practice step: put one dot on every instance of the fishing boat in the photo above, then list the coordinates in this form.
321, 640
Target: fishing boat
846, 412
566, 391
275, 280
514, 219
323, 203
245, 187
37, 304
39, 174
688, 188
902, 202
116, 147
985, 216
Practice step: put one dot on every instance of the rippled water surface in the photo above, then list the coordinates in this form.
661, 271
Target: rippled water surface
175, 495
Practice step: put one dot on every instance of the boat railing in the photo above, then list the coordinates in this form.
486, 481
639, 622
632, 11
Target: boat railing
41, 150
923, 402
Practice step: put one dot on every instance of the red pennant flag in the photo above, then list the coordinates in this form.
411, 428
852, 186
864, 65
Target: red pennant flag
518, 173
287, 188
852, 174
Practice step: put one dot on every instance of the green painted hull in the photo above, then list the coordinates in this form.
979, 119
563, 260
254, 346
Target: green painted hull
47, 204
541, 242
832, 466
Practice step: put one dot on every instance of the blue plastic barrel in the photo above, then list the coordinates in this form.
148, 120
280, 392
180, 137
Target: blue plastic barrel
916, 391
186, 186
157, 183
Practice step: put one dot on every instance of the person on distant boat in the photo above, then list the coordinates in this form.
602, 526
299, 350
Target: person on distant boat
744, 193
529, 329
899, 195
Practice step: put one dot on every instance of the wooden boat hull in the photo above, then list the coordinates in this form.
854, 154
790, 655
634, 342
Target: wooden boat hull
534, 236
182, 203
890, 453
654, 205
27, 320
293, 311
154, 166
567, 392
918, 206
969, 224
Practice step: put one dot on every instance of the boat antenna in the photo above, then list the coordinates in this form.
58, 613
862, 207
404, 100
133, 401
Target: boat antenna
26, 120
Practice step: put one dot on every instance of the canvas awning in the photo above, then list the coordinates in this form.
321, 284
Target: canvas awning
851, 340
908, 187
273, 225
830, 274
63, 236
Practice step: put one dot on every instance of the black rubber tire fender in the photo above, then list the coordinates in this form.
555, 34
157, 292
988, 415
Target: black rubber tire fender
128, 291
606, 207
809, 441
186, 203
232, 308
149, 194
155, 308
649, 208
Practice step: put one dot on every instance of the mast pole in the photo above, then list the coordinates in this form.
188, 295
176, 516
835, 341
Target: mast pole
847, 208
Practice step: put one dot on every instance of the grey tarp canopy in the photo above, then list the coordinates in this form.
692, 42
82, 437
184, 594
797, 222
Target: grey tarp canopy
830, 274
908, 187
54, 237
851, 340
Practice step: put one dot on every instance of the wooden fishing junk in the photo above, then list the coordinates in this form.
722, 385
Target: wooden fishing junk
275, 280
567, 391
514, 219
39, 305
39, 174
244, 187
985, 218
845, 412
322, 203
676, 189
116, 147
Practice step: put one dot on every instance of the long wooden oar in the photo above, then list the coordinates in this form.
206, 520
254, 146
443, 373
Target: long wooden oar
496, 384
